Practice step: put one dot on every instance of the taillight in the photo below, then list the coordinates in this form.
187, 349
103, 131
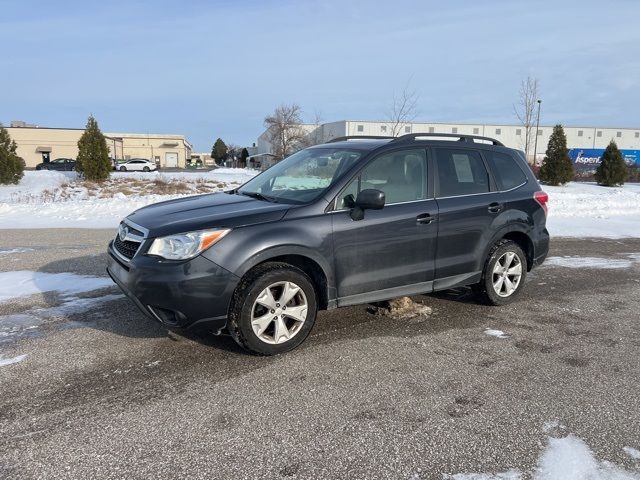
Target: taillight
542, 198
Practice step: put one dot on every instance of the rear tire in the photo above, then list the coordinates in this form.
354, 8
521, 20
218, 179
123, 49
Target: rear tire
273, 309
145, 169
503, 275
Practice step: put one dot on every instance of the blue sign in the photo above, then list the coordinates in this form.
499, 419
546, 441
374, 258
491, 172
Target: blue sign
589, 158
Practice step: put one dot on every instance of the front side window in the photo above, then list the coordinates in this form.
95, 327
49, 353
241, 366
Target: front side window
460, 172
303, 176
506, 171
401, 175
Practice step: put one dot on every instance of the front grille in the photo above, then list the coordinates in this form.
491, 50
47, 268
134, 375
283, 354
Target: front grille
127, 248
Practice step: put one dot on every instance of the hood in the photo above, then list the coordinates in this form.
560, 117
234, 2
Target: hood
206, 211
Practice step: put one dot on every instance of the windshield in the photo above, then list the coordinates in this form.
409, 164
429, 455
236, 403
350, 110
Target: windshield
302, 177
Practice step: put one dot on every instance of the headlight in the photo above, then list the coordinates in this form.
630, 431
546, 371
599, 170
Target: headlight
185, 245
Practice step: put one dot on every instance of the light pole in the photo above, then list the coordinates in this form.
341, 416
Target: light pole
535, 147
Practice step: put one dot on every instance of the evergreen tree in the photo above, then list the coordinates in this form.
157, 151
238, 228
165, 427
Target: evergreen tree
11, 165
93, 155
612, 170
219, 151
243, 156
557, 167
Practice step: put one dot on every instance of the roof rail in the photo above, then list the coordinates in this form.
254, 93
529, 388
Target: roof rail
359, 137
460, 137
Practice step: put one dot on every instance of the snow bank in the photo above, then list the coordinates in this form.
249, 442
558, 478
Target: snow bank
23, 283
575, 210
34, 184
589, 210
40, 201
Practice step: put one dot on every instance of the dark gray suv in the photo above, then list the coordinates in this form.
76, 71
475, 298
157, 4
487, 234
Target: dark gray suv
352, 221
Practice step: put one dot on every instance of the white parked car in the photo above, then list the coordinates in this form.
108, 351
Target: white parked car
137, 165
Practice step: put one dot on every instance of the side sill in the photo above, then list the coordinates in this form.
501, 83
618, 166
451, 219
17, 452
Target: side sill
386, 294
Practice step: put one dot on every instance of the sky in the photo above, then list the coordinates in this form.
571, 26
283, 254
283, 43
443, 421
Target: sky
209, 69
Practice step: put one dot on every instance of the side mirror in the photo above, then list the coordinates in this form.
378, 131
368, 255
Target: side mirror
369, 199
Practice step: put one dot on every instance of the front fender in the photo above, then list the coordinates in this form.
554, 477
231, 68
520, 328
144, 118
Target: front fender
246, 247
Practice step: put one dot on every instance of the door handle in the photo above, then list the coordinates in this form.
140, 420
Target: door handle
495, 207
425, 218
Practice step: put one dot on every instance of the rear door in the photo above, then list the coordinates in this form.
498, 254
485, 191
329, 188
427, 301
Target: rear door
468, 203
391, 251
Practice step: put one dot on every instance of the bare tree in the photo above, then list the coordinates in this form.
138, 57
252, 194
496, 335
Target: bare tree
316, 137
403, 110
526, 110
285, 132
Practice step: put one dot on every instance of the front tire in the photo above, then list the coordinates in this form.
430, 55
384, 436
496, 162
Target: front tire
123, 169
273, 309
504, 274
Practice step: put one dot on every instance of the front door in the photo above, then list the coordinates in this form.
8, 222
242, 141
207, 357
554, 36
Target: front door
171, 159
391, 251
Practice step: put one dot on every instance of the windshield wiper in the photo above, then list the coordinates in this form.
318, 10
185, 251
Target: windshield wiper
258, 195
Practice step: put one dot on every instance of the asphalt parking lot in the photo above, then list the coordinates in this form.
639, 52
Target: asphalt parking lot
107, 393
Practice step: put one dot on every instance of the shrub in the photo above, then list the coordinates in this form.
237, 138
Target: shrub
11, 165
557, 167
93, 161
612, 170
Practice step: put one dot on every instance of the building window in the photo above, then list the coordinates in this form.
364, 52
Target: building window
476, 130
637, 134
599, 133
498, 131
454, 130
361, 128
407, 129
383, 128
432, 130
518, 131
619, 134
580, 132
539, 132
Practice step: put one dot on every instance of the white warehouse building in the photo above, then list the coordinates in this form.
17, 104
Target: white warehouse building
510, 135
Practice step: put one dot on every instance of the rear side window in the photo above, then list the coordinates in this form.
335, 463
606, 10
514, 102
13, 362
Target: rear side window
506, 170
461, 172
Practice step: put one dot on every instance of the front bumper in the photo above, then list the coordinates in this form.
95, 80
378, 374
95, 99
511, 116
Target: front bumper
190, 294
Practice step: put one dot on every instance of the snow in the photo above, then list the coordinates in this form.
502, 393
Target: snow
46, 199
589, 262
632, 452
27, 323
495, 333
566, 458
24, 282
10, 361
11, 251
588, 210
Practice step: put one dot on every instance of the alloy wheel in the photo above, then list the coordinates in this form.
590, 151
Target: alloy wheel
507, 273
279, 312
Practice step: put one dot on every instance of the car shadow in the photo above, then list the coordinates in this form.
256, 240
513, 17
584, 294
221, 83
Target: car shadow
108, 309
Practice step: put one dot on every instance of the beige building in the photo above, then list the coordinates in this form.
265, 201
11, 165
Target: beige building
35, 144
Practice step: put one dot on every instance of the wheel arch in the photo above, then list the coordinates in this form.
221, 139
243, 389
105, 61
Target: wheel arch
316, 268
519, 235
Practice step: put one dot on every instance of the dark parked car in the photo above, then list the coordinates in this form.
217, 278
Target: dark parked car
66, 164
343, 223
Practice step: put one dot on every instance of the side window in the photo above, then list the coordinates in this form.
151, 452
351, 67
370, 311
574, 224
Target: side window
506, 170
460, 172
401, 175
